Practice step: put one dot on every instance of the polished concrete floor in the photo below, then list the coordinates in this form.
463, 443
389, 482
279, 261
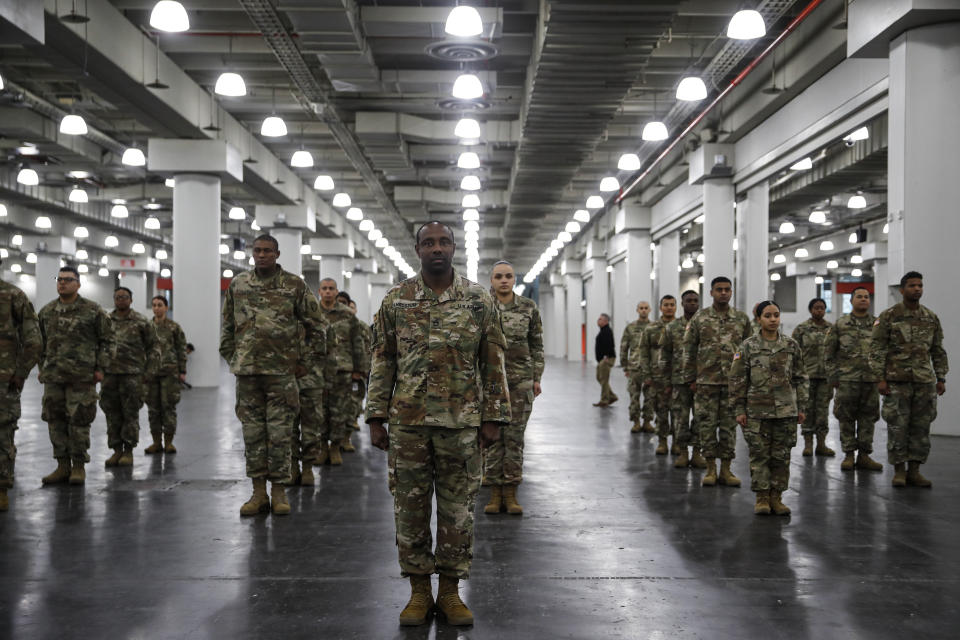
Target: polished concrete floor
615, 543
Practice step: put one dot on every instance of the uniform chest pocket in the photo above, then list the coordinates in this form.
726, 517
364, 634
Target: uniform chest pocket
922, 331
460, 328
514, 327
412, 328
760, 374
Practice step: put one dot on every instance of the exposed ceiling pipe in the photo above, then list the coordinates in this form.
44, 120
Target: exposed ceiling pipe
733, 84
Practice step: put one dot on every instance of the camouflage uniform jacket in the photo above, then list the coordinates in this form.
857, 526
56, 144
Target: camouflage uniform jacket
631, 340
523, 331
438, 360
76, 340
346, 347
646, 357
768, 379
314, 344
669, 366
260, 322
709, 343
905, 343
846, 351
811, 337
133, 344
20, 340
171, 359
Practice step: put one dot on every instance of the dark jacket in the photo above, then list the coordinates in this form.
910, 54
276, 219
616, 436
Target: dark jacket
604, 345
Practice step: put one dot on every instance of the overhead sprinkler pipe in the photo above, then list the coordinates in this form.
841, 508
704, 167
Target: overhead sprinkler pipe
733, 84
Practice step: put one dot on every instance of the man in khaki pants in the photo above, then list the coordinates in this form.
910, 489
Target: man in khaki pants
606, 357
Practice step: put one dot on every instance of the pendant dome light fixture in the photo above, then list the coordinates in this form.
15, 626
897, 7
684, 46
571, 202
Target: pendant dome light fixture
802, 165
463, 22
301, 159
818, 217
230, 84
609, 184
366, 225
471, 200
133, 157
169, 15
323, 183
355, 214
691, 89
468, 160
152, 223
471, 214
342, 199
78, 195
470, 183
746, 24
857, 202
81, 232
273, 125
581, 215
467, 128
594, 202
786, 228
119, 210
629, 162
467, 86
572, 227
73, 125
654, 131
28, 177
237, 213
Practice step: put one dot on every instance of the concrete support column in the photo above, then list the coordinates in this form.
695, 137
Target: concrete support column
882, 297
559, 332
360, 293
290, 241
806, 291
718, 230
668, 259
196, 271
333, 267
545, 305
596, 286
46, 269
574, 312
753, 223
380, 283
136, 281
632, 228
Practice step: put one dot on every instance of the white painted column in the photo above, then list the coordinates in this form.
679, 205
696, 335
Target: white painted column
668, 259
718, 230
881, 290
806, 291
545, 304
380, 283
360, 293
753, 225
922, 177
595, 280
632, 228
136, 281
290, 241
46, 269
196, 271
333, 267
574, 312
559, 317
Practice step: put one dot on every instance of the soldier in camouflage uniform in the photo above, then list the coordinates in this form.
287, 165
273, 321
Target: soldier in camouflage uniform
655, 379
768, 393
311, 374
261, 316
76, 344
165, 373
523, 330
439, 378
20, 345
685, 434
846, 355
811, 335
361, 391
348, 367
712, 337
134, 344
908, 360
640, 408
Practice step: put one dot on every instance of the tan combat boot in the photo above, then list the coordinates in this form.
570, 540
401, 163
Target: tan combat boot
864, 461
900, 475
78, 475
156, 447
496, 500
726, 476
420, 604
306, 478
346, 445
4, 500
510, 500
637, 427
762, 506
168, 444
258, 502
115, 458
126, 460
710, 479
60, 474
335, 458
807, 444
278, 497
683, 460
914, 478
697, 461
324, 456
822, 448
647, 427
849, 460
449, 603
776, 505
661, 449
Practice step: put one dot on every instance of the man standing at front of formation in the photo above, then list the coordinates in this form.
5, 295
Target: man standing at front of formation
20, 345
76, 342
647, 360
122, 390
606, 357
439, 379
711, 339
630, 341
908, 360
348, 366
259, 338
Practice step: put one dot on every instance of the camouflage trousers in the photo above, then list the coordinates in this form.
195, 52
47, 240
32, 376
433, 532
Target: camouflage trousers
909, 410
603, 377
685, 432
121, 396
357, 398
163, 395
660, 399
305, 441
503, 460
640, 406
338, 406
448, 460
769, 442
715, 420
818, 409
9, 414
68, 410
267, 407
857, 407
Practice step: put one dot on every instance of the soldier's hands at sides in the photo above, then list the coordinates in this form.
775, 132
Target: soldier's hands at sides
378, 435
941, 388
536, 389
183, 377
16, 384
98, 376
742, 419
356, 375
489, 433
883, 388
